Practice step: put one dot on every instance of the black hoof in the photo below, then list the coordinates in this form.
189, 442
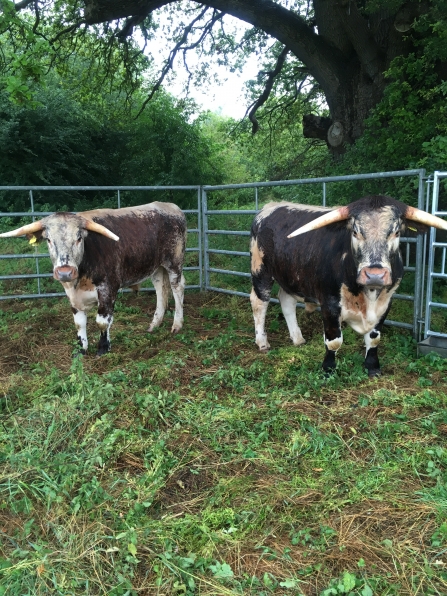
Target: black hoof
374, 372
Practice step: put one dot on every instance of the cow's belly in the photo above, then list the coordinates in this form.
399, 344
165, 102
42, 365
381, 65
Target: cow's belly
364, 311
82, 297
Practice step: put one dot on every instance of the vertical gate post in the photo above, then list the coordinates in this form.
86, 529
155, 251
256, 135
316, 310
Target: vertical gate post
200, 228
431, 254
31, 198
206, 256
419, 273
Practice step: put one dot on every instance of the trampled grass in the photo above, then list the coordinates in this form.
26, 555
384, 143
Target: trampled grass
195, 465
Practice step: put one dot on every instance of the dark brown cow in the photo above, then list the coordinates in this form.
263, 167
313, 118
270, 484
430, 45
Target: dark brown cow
95, 253
346, 260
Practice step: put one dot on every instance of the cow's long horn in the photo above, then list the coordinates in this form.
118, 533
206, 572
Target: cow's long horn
324, 220
95, 227
425, 218
28, 229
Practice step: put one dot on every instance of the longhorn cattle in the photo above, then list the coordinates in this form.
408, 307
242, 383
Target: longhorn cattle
346, 260
95, 253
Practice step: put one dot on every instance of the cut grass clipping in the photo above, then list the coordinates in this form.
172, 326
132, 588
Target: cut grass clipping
195, 465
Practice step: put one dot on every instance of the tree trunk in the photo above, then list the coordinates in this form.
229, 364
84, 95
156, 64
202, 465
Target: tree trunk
346, 54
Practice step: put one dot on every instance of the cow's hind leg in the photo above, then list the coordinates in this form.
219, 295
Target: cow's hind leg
80, 321
160, 280
288, 306
177, 282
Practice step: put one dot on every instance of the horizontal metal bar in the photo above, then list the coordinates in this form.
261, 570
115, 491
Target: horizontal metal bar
45, 213
26, 296
439, 244
62, 295
193, 231
437, 304
441, 213
398, 324
232, 212
438, 275
26, 276
228, 232
190, 187
227, 272
191, 268
235, 253
350, 177
435, 334
27, 255
404, 297
192, 249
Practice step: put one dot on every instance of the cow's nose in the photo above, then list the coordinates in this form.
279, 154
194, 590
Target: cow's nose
65, 273
374, 277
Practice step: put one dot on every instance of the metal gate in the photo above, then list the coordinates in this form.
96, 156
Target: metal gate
212, 274
37, 256
435, 330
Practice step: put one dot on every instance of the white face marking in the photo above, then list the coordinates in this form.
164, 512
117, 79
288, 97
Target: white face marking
80, 321
374, 235
334, 344
65, 239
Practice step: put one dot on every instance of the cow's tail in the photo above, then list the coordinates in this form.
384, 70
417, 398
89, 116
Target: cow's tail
166, 287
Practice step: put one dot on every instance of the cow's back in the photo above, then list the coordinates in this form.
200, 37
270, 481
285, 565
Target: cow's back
149, 236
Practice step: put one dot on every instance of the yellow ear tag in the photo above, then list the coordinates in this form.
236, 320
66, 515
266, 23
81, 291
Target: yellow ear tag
412, 229
33, 239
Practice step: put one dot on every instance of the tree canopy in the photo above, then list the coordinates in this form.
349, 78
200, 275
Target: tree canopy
344, 50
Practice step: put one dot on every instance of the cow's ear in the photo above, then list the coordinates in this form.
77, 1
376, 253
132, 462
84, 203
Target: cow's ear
36, 237
411, 227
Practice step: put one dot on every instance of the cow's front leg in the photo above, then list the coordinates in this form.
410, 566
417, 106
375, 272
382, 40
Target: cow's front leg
104, 320
372, 340
333, 337
80, 321
259, 308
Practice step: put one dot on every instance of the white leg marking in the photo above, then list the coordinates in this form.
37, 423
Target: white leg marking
288, 305
80, 321
334, 344
178, 290
259, 311
162, 291
104, 324
371, 342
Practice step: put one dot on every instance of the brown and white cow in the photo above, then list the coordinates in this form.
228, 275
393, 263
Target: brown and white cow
96, 253
346, 260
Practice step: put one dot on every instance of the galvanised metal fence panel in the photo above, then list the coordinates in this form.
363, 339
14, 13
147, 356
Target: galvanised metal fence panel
118, 189
406, 243
437, 257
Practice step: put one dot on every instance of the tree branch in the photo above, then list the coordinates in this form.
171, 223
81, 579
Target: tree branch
271, 75
170, 61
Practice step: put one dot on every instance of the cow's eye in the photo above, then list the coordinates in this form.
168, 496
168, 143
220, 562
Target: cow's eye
49, 241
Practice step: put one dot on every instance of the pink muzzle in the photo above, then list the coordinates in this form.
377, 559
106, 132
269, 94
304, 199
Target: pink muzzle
374, 277
65, 273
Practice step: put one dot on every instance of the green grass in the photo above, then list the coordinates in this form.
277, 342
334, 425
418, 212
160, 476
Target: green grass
195, 465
